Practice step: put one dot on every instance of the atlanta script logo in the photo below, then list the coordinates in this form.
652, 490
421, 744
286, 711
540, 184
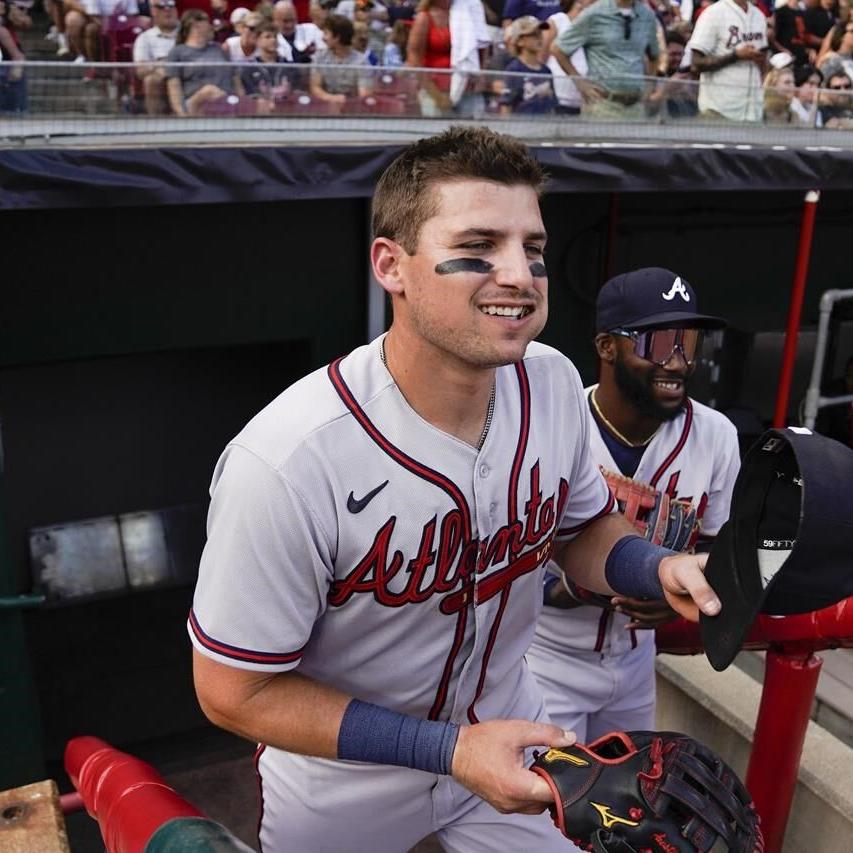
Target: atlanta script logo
445, 562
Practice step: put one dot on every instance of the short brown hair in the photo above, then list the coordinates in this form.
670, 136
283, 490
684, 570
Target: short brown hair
403, 200
341, 27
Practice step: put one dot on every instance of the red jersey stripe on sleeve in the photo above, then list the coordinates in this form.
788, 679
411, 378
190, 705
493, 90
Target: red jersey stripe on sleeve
235, 652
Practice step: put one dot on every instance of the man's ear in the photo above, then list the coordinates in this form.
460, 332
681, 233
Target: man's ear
605, 346
385, 256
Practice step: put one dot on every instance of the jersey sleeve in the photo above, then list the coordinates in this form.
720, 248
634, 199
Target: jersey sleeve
265, 570
589, 496
726, 467
704, 37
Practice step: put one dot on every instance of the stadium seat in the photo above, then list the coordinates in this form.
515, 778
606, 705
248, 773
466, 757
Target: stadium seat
231, 105
300, 104
386, 105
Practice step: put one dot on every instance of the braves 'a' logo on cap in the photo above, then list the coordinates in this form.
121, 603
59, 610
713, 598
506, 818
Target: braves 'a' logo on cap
679, 288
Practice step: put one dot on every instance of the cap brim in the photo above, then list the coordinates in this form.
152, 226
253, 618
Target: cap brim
681, 318
724, 634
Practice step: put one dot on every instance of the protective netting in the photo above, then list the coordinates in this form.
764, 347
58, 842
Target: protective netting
289, 102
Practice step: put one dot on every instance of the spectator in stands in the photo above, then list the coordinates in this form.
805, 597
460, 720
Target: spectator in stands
220, 20
791, 35
676, 94
56, 33
569, 99
541, 9
620, 39
150, 49
840, 58
190, 88
728, 49
296, 42
836, 103
779, 91
820, 16
361, 41
808, 80
532, 93
335, 85
267, 76
84, 23
244, 46
13, 86
837, 421
394, 54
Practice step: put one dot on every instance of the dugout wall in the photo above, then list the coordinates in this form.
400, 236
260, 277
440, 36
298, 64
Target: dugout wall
139, 333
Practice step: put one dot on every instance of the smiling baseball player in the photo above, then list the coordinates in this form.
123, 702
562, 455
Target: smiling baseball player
672, 463
377, 536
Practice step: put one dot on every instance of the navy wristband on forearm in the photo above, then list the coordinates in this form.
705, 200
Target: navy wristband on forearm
381, 736
632, 567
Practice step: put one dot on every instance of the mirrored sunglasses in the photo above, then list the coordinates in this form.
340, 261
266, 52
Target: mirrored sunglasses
659, 345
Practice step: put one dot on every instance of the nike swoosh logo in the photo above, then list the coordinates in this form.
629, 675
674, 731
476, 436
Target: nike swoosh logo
358, 504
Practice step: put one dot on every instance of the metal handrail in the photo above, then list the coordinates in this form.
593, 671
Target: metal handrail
814, 400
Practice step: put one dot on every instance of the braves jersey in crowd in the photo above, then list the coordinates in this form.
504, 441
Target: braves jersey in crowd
733, 91
693, 457
350, 538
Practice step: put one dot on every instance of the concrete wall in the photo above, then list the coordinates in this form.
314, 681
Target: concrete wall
720, 709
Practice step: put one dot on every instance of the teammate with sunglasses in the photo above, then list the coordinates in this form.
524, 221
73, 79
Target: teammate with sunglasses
594, 665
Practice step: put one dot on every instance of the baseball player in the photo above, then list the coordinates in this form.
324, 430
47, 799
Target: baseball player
377, 536
595, 668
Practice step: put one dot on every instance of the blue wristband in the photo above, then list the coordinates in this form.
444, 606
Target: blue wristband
381, 736
632, 567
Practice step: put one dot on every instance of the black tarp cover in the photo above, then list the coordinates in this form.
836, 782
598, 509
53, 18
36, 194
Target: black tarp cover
95, 177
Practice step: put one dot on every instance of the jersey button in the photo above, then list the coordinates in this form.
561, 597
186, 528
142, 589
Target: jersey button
484, 471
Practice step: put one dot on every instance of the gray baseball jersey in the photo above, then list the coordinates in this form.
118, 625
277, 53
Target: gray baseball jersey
585, 660
351, 539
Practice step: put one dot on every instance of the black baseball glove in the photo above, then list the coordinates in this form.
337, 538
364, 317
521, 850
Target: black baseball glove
661, 791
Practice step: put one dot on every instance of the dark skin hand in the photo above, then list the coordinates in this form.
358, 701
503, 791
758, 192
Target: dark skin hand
644, 614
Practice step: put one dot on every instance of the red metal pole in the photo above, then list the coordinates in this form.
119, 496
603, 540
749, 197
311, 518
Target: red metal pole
795, 309
783, 716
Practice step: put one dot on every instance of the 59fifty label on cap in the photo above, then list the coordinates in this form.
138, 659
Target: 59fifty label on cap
771, 556
800, 430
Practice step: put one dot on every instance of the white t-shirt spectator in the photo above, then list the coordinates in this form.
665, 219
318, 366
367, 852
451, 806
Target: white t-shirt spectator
735, 90
234, 51
153, 45
306, 35
565, 90
108, 8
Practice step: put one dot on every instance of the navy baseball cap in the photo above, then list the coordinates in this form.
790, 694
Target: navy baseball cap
650, 297
788, 544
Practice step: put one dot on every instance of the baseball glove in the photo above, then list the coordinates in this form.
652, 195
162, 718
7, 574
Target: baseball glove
639, 791
657, 517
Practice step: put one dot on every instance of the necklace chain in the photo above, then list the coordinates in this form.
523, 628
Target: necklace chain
489, 413
616, 431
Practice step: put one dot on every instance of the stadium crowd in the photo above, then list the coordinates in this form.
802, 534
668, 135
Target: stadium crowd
730, 60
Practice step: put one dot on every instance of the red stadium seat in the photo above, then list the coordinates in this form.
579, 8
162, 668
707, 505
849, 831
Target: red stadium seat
387, 105
231, 105
300, 104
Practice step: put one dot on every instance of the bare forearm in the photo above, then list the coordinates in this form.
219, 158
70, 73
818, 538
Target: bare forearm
584, 557
286, 710
563, 60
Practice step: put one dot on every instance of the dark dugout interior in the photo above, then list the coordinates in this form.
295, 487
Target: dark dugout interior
136, 341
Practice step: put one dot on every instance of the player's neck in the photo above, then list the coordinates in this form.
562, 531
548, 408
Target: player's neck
620, 413
453, 397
